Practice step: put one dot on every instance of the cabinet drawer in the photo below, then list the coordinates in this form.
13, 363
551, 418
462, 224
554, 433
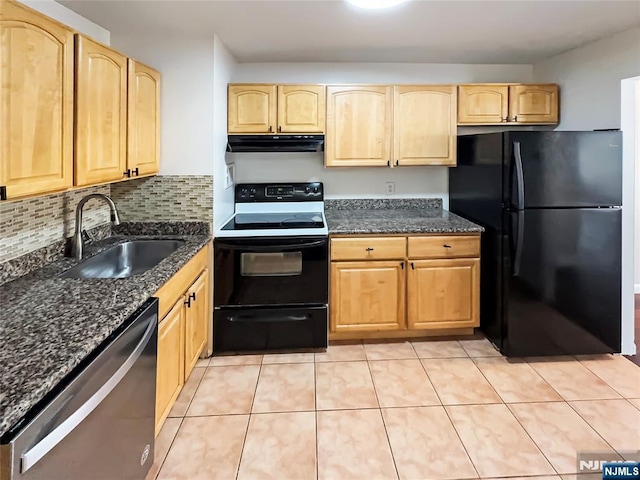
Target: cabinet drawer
368, 248
444, 246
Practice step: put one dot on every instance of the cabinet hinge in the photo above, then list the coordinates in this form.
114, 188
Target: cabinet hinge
3, 193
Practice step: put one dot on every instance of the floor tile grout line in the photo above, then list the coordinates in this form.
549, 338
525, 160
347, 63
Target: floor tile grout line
450, 421
562, 399
592, 427
246, 432
194, 393
315, 413
384, 425
575, 399
596, 374
169, 449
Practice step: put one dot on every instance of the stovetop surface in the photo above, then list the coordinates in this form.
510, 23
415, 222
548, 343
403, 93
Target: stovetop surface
275, 220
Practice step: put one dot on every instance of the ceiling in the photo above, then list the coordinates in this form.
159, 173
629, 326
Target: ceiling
422, 31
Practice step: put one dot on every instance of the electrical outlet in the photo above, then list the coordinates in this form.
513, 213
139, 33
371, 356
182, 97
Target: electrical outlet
390, 188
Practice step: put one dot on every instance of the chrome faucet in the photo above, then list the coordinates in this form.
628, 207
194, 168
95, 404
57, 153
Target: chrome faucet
77, 243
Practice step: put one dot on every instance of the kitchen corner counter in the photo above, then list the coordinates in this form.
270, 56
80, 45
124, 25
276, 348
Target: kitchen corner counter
400, 216
48, 324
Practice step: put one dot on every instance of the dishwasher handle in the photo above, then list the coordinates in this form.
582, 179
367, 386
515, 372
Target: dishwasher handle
44, 446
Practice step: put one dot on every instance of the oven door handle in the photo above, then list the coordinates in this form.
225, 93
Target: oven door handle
249, 318
273, 248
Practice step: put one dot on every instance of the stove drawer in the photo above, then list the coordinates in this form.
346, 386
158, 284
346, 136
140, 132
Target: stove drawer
368, 248
444, 246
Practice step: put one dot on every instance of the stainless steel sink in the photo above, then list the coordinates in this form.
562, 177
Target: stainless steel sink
125, 260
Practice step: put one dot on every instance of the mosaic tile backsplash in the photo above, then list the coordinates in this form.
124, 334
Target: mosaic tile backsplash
165, 198
31, 224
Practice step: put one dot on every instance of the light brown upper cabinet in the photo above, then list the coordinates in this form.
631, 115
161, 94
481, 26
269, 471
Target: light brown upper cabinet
483, 104
101, 113
143, 121
269, 109
424, 126
252, 108
495, 104
36, 100
533, 103
359, 120
301, 108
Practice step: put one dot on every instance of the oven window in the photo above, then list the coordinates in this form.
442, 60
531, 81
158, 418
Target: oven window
271, 264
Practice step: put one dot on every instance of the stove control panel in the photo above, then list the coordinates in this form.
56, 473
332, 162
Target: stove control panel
279, 192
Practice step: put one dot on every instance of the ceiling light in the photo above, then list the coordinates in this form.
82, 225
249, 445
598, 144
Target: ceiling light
375, 4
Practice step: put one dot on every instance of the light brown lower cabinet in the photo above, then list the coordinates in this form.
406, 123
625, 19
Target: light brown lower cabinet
183, 329
395, 286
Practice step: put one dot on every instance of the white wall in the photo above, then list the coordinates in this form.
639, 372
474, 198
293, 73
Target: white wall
187, 100
630, 89
224, 65
362, 181
70, 18
589, 79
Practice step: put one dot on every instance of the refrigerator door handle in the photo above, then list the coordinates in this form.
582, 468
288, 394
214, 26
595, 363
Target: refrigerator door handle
517, 256
517, 154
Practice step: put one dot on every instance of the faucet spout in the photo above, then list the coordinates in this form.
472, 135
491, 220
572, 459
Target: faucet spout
77, 243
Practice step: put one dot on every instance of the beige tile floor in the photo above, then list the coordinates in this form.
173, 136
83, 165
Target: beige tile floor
423, 410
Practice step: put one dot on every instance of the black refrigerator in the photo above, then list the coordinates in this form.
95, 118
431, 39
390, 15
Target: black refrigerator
550, 203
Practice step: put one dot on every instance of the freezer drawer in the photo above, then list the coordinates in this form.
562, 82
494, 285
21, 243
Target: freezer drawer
99, 423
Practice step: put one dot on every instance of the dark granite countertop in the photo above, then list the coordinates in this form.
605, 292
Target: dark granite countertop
48, 325
394, 216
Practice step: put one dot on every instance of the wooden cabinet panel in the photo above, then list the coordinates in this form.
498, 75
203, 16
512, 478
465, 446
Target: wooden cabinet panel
170, 370
252, 109
358, 126
301, 108
481, 104
444, 246
424, 127
197, 307
533, 103
101, 113
369, 248
143, 122
36, 103
443, 293
367, 296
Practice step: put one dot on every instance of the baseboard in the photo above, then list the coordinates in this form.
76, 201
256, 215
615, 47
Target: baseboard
636, 289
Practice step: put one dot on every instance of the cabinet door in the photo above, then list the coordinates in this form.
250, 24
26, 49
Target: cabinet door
443, 293
196, 321
358, 126
143, 119
101, 113
252, 109
301, 108
533, 103
170, 370
424, 126
36, 103
367, 296
483, 104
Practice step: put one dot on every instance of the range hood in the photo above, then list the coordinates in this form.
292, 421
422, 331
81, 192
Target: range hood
275, 143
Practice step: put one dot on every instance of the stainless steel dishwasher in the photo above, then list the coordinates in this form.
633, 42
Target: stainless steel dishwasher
98, 423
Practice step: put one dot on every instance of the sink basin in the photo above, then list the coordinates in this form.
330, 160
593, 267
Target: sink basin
125, 260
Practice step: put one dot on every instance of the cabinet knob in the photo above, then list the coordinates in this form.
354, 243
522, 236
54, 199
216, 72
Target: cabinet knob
279, 128
135, 172
397, 163
127, 173
388, 163
515, 119
402, 265
192, 296
413, 266
505, 119
187, 302
369, 249
270, 128
446, 246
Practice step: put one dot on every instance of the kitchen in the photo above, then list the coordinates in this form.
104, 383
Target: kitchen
352, 397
